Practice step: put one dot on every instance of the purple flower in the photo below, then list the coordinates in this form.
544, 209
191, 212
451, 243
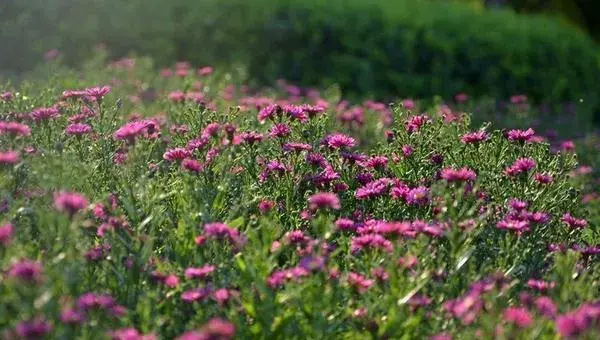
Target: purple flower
474, 137
521, 165
70, 202
6, 233
199, 272
192, 165
44, 113
33, 329
78, 129
26, 270
417, 196
324, 200
195, 295
519, 316
458, 175
14, 128
97, 93
9, 157
572, 222
520, 135
339, 141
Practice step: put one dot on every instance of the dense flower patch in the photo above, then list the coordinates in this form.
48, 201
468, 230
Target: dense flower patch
180, 205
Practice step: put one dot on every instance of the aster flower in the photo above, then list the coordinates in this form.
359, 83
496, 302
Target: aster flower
458, 175
324, 200
374, 241
543, 178
375, 162
192, 165
474, 137
279, 130
35, 328
9, 157
251, 137
520, 166
518, 316
199, 272
373, 189
97, 93
297, 147
520, 135
339, 141
26, 270
14, 128
6, 233
415, 123
177, 154
135, 129
44, 113
70, 202
78, 129
417, 196
540, 285
222, 231
359, 282
572, 222
130, 334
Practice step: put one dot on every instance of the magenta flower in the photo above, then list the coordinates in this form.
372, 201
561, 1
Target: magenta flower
14, 128
540, 285
138, 128
130, 334
192, 165
6, 233
518, 226
324, 200
26, 270
206, 70
407, 150
520, 166
339, 141
543, 178
70, 202
546, 307
251, 137
415, 123
279, 130
474, 137
518, 316
222, 231
417, 196
9, 157
264, 206
97, 93
375, 162
373, 189
297, 147
359, 282
572, 222
33, 329
199, 272
44, 113
78, 129
458, 175
177, 154
72, 316
6, 96
373, 241
520, 135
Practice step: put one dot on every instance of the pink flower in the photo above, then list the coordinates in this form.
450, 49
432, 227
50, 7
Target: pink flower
374, 241
520, 135
192, 165
214, 329
97, 93
26, 270
14, 128
279, 130
540, 285
458, 175
572, 222
474, 137
324, 200
359, 282
78, 129
199, 272
375, 162
130, 334
132, 130
407, 150
6, 233
206, 70
417, 196
177, 154
339, 141
6, 96
415, 123
36, 328
543, 178
9, 157
70, 202
264, 206
518, 316
223, 231
521, 165
44, 113
461, 97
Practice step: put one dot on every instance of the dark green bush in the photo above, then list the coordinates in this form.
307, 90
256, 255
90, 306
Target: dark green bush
376, 48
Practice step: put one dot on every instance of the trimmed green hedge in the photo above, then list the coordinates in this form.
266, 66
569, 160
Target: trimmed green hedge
376, 48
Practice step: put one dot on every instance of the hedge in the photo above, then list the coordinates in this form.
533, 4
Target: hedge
377, 48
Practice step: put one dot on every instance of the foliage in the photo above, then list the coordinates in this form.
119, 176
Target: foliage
180, 201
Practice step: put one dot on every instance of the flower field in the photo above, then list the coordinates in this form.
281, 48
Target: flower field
180, 203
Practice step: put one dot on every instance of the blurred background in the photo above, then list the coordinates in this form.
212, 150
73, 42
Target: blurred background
379, 49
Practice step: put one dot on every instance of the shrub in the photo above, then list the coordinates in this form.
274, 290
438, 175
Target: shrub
180, 202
